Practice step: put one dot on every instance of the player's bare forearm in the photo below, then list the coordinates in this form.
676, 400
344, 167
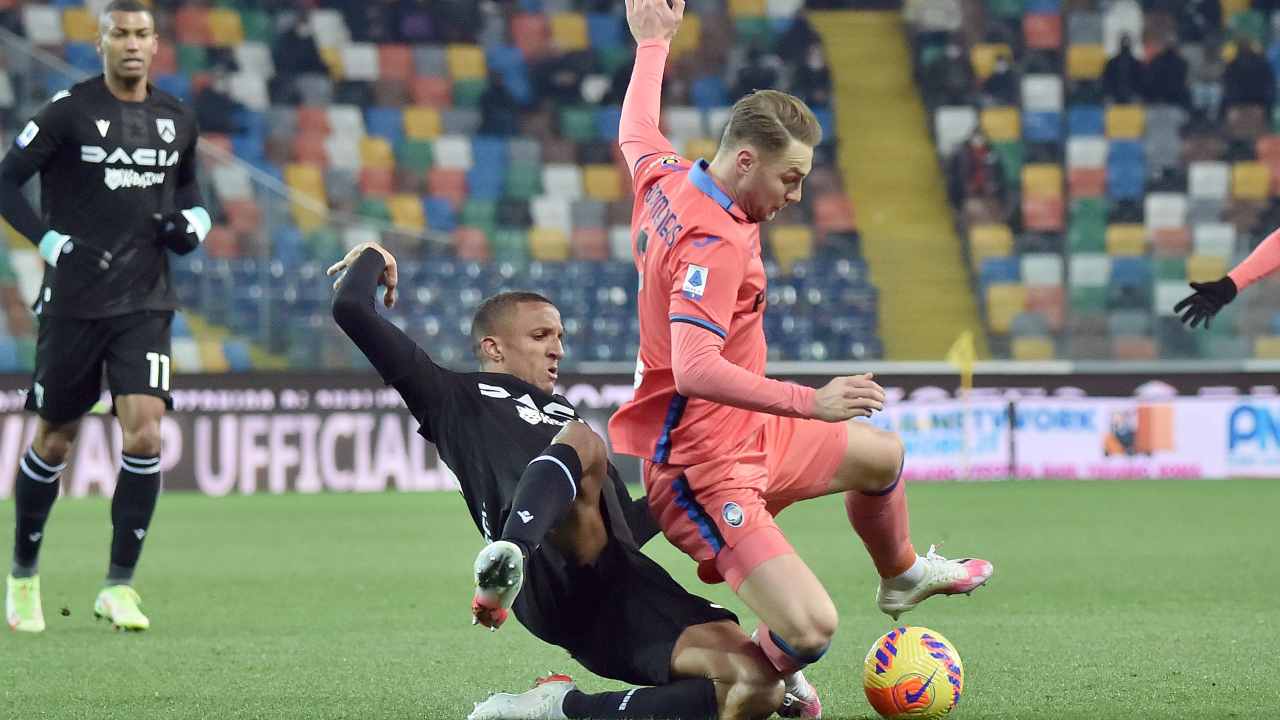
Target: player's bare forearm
653, 23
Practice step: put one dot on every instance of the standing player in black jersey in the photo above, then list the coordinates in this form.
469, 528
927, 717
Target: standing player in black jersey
118, 193
540, 488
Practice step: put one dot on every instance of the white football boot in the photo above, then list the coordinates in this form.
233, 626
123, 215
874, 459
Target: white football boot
544, 702
938, 576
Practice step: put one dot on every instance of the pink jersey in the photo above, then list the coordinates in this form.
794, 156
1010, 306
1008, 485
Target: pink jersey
699, 263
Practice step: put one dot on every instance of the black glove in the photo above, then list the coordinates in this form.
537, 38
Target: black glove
1206, 301
56, 248
178, 232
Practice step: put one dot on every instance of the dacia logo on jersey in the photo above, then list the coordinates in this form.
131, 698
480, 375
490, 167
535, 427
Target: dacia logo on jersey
695, 282
148, 157
553, 413
164, 126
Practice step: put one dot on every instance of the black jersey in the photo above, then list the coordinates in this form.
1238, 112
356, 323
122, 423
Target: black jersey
106, 168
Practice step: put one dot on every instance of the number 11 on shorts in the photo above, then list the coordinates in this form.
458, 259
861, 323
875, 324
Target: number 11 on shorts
159, 370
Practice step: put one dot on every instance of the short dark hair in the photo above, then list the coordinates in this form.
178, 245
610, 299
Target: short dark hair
493, 309
128, 6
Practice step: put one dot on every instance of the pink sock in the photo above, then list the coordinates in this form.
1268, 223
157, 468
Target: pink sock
781, 659
883, 523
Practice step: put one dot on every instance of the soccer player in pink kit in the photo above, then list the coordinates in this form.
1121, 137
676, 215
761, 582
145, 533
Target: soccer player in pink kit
1210, 297
726, 448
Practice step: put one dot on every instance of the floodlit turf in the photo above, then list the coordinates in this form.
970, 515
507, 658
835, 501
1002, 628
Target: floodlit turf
1110, 600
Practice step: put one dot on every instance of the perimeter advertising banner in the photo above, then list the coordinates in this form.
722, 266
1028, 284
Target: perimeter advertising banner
248, 434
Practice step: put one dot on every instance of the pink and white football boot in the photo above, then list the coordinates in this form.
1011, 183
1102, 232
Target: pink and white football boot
801, 698
931, 575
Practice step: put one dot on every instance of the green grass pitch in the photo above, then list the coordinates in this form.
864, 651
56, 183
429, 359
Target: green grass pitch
1110, 600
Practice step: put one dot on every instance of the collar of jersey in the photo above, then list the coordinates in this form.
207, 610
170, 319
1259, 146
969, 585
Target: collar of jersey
702, 180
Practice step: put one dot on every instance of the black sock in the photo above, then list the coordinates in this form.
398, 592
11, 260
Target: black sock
693, 699
137, 488
34, 489
546, 490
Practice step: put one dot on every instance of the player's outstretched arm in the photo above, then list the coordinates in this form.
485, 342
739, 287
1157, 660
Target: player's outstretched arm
1210, 297
359, 274
653, 24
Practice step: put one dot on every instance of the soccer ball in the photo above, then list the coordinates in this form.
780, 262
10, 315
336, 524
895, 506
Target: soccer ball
913, 672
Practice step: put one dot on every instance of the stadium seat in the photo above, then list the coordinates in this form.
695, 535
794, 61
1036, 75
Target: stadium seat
1250, 181
1209, 180
395, 62
1002, 124
79, 25
620, 243
407, 212
603, 182
1086, 151
552, 212
589, 244
1085, 62
466, 62
1004, 302
1217, 239
1042, 269
569, 31
431, 92
1042, 31
1165, 210
548, 244
1049, 301
1125, 122
1171, 241
953, 125
1043, 214
983, 57
449, 183
791, 243
422, 123
1042, 180
531, 33
225, 27
1032, 348
1089, 270
987, 241
1042, 93
471, 244
1205, 268
563, 181
1126, 239
1087, 182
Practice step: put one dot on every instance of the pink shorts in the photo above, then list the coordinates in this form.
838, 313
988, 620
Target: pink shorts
721, 512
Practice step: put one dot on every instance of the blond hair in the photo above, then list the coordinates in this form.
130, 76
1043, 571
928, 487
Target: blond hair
768, 120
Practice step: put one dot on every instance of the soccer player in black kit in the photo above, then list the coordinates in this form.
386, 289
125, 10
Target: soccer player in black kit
118, 193
539, 486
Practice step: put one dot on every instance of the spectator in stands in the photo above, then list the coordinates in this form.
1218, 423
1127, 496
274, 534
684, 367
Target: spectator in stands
757, 74
559, 78
295, 51
216, 110
1199, 20
498, 108
812, 80
455, 21
1249, 79
975, 170
800, 35
1122, 79
1001, 86
1167, 77
949, 80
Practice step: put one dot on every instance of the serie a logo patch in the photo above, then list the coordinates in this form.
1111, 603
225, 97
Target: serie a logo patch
695, 282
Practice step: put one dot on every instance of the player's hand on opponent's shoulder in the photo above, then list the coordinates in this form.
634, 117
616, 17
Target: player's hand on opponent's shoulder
848, 397
1206, 301
654, 19
390, 275
58, 248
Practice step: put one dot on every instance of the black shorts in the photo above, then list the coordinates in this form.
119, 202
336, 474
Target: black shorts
71, 354
619, 618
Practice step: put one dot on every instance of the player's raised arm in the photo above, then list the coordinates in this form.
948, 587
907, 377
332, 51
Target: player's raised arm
185, 227
653, 24
396, 357
1210, 297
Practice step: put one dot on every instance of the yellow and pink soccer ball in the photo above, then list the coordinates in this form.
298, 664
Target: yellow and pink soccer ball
912, 673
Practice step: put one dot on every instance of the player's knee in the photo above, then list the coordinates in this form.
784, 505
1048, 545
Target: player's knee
755, 696
53, 443
143, 440
590, 448
811, 637
886, 460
